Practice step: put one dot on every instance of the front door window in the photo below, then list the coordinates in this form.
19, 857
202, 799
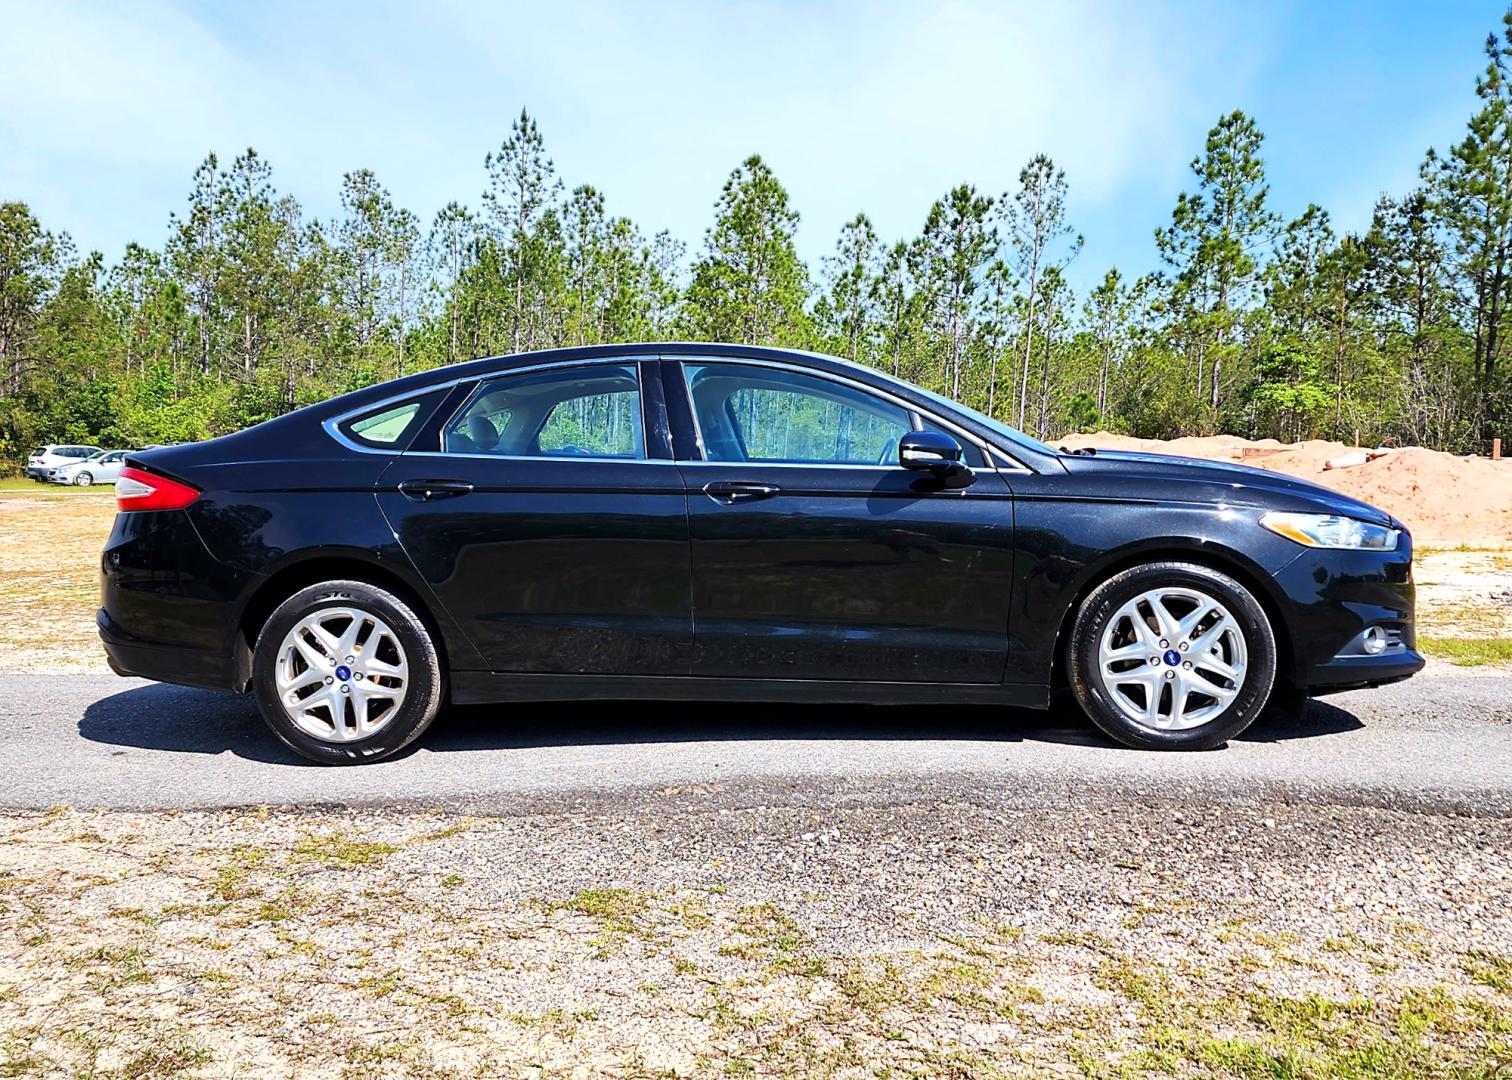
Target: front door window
748, 413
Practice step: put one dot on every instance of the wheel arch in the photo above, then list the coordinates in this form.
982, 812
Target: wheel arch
327, 565
1225, 560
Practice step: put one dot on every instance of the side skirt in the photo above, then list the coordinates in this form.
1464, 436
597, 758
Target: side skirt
481, 687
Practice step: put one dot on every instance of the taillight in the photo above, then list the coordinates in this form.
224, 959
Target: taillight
137, 489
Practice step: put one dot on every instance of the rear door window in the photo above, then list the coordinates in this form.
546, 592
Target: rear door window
577, 412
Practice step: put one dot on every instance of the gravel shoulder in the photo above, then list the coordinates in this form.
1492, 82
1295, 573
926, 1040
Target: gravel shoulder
995, 935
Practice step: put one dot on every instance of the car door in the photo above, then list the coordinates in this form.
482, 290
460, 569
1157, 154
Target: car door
814, 554
551, 522
110, 467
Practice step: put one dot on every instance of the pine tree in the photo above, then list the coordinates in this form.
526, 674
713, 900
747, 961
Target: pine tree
958, 241
1216, 244
523, 187
749, 286
451, 251
851, 296
1472, 189
1040, 239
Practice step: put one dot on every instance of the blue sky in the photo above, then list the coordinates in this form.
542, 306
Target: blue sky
108, 107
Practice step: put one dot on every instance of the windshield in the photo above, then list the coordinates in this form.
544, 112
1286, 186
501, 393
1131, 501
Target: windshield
1012, 435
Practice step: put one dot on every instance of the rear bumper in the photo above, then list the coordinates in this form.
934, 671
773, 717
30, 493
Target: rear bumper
166, 663
168, 608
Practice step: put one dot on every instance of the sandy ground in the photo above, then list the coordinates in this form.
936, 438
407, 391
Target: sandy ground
1446, 501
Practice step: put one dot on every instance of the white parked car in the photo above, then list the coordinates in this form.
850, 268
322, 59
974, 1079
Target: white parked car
44, 459
102, 468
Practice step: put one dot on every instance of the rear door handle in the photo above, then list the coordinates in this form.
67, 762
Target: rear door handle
734, 491
425, 490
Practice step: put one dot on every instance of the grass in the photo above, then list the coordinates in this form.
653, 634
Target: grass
338, 850
1489, 969
35, 487
1467, 651
50, 542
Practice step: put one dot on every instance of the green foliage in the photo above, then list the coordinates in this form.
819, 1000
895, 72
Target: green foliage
1081, 413
1289, 391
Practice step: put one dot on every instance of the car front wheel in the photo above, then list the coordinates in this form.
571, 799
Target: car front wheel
1172, 655
84, 479
346, 672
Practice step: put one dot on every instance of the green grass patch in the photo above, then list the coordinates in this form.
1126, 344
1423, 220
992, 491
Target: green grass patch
35, 487
338, 850
1489, 969
1467, 652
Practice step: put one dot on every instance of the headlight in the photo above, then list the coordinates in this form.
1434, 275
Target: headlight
1332, 531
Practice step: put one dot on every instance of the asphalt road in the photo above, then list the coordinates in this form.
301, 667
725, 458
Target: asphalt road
1433, 743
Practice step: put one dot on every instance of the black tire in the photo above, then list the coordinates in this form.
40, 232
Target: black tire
84, 479
1105, 602
422, 697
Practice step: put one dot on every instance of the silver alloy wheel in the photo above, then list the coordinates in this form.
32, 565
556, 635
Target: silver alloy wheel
1172, 659
342, 674
83, 479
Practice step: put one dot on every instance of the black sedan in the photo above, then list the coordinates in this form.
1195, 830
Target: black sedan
716, 522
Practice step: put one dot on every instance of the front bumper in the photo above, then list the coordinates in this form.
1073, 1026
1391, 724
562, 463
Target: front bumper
1334, 597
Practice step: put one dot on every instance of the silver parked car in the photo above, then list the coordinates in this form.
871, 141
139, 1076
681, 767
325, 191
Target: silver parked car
102, 468
44, 459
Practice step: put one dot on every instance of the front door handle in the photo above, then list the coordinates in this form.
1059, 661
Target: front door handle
426, 490
734, 491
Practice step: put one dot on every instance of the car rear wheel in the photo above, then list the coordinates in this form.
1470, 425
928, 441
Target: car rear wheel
1173, 656
84, 479
346, 672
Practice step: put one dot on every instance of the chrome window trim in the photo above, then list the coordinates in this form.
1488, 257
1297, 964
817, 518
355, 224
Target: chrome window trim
990, 454
791, 465
545, 457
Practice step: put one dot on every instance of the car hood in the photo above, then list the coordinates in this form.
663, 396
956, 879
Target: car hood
1241, 484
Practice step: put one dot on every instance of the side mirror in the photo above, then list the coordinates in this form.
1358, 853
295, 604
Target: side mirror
932, 452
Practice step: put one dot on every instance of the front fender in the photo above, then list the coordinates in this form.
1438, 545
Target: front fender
1065, 545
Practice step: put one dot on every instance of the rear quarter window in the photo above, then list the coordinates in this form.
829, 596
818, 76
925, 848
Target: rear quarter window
391, 426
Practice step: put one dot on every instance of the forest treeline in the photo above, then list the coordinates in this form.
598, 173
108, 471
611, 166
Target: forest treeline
1253, 323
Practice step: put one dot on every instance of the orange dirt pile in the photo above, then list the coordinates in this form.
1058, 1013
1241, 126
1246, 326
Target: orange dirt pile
1446, 501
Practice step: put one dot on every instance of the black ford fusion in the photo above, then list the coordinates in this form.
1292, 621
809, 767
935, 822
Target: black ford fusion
716, 522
